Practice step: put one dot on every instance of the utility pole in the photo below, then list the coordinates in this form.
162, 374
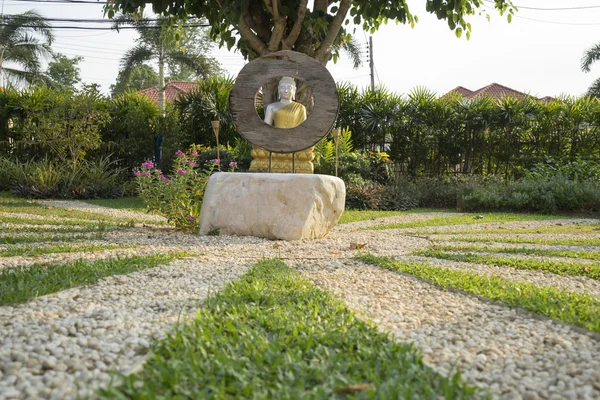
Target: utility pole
371, 64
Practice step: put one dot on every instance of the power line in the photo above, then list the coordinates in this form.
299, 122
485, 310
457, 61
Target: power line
559, 23
549, 9
61, 1
100, 28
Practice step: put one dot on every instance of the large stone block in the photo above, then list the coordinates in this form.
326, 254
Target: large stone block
272, 206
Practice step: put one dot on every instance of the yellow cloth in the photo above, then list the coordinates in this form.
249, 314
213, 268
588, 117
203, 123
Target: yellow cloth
289, 116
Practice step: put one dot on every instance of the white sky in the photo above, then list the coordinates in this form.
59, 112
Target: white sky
541, 58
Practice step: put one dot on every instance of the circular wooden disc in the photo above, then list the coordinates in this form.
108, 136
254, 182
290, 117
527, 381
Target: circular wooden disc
284, 63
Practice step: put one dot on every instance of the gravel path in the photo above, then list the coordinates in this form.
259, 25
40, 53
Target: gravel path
62, 345
509, 353
93, 208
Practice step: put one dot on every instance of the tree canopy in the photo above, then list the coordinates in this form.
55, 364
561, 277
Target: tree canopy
63, 72
260, 27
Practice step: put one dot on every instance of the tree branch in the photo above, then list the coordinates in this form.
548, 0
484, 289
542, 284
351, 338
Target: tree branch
268, 5
293, 35
246, 33
278, 27
323, 53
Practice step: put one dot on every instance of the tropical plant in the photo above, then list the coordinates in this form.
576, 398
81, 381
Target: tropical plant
158, 42
590, 56
138, 78
25, 41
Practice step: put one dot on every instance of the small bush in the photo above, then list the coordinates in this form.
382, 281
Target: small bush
178, 197
365, 195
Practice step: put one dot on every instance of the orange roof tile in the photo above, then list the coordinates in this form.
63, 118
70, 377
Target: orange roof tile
493, 90
172, 90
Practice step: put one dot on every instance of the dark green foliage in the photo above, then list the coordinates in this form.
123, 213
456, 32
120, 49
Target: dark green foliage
273, 335
363, 195
209, 102
547, 194
132, 131
52, 179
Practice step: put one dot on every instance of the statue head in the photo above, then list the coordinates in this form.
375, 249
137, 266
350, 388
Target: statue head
287, 88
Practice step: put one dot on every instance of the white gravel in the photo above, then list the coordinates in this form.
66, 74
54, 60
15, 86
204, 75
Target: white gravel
513, 355
61, 346
93, 208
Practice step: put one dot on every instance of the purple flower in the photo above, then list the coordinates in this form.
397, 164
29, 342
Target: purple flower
192, 163
148, 164
233, 164
137, 173
195, 153
179, 153
165, 179
216, 161
181, 171
144, 173
190, 218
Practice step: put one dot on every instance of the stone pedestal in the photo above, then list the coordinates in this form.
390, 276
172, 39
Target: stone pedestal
272, 206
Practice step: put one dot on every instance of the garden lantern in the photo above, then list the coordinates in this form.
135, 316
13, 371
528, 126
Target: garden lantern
336, 137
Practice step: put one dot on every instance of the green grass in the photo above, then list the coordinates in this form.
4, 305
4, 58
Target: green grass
123, 203
563, 229
31, 251
52, 229
20, 284
556, 267
16, 239
588, 255
466, 219
37, 221
573, 308
551, 241
273, 335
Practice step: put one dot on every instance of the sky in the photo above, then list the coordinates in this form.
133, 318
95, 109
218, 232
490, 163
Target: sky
539, 52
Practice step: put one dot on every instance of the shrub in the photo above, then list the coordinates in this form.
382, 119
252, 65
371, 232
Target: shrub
47, 178
365, 195
548, 195
178, 197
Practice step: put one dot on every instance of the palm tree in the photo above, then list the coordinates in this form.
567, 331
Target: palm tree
24, 41
158, 42
589, 57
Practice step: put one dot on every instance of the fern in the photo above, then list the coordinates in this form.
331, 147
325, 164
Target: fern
345, 143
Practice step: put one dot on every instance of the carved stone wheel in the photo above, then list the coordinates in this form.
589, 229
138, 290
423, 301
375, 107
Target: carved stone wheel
284, 63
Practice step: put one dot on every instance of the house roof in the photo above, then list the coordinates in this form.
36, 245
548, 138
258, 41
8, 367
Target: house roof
172, 90
493, 90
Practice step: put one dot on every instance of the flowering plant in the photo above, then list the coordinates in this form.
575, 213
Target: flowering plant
178, 197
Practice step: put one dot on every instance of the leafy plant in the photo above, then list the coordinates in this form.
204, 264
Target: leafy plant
178, 197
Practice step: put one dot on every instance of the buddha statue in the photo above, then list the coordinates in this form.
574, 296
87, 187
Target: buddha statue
285, 114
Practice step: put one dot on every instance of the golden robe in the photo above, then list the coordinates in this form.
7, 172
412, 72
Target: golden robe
289, 116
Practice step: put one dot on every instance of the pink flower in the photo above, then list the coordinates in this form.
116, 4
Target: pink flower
165, 179
195, 153
137, 173
192, 163
181, 171
144, 173
148, 164
190, 218
179, 153
233, 164
215, 161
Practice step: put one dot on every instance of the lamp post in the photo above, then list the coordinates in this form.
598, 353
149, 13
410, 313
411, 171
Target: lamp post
336, 137
215, 128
